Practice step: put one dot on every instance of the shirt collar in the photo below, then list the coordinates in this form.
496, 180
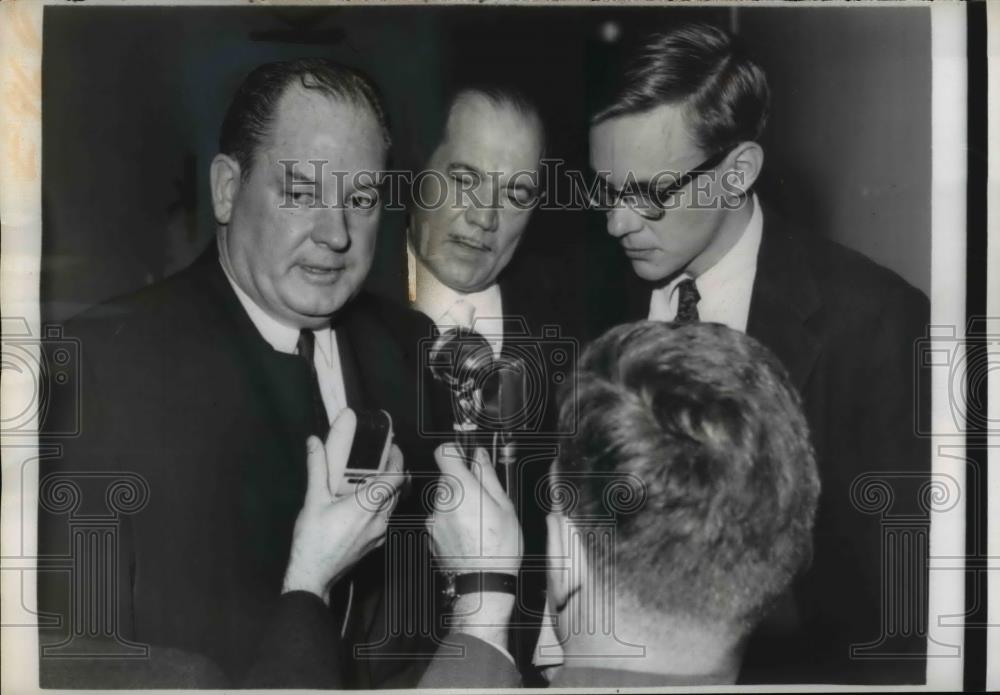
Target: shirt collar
739, 258
280, 336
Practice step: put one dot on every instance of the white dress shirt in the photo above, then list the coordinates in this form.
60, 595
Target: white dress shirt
725, 288
284, 338
479, 311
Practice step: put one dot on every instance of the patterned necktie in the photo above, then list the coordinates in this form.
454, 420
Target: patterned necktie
307, 351
687, 301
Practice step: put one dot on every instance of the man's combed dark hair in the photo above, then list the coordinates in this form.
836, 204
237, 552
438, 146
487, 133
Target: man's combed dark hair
250, 115
703, 425
707, 71
499, 94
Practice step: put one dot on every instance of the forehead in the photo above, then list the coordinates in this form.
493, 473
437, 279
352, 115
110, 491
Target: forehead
490, 137
644, 143
310, 125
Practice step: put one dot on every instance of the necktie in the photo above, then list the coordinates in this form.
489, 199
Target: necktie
340, 592
687, 301
307, 351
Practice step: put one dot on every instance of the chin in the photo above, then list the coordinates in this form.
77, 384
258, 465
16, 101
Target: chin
459, 281
319, 311
649, 271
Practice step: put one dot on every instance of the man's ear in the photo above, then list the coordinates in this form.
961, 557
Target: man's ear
748, 160
225, 176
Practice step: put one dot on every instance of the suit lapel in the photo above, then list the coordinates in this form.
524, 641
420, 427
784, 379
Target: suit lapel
785, 298
372, 362
354, 389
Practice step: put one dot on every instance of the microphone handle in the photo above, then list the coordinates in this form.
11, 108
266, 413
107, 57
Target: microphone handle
466, 435
506, 464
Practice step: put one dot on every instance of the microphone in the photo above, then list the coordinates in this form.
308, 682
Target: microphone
461, 359
506, 401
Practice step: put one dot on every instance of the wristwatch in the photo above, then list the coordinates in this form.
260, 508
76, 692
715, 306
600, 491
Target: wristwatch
460, 584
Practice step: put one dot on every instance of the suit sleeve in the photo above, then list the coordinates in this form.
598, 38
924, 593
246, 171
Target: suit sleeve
301, 648
82, 558
478, 665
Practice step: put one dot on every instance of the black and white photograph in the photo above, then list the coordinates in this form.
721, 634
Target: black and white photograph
497, 345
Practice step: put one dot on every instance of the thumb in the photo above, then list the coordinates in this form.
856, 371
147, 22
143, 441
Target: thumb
317, 490
338, 446
449, 459
483, 469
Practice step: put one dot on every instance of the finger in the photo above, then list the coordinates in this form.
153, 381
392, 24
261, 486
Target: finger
338, 446
483, 470
317, 490
395, 464
387, 496
376, 542
455, 475
375, 533
390, 508
449, 460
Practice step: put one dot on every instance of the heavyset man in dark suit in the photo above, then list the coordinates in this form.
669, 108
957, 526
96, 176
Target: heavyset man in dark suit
677, 148
681, 508
199, 394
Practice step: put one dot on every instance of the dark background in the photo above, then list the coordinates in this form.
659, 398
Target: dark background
133, 99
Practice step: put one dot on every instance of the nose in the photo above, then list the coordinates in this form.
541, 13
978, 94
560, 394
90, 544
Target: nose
484, 217
623, 220
330, 229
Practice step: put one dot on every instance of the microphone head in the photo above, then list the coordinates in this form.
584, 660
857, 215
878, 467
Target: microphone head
458, 358
504, 393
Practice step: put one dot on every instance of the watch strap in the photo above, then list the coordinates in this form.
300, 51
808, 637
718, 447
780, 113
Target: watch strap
476, 582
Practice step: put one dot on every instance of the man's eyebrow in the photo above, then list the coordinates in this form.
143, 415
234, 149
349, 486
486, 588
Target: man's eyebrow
297, 177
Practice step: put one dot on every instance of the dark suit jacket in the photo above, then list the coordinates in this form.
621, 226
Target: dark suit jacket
846, 330
192, 454
480, 665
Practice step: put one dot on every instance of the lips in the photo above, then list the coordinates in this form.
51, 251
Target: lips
469, 243
321, 272
637, 251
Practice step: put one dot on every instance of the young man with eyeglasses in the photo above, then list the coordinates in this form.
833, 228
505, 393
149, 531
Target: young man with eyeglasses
677, 153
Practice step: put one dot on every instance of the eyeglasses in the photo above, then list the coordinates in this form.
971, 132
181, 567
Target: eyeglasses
650, 203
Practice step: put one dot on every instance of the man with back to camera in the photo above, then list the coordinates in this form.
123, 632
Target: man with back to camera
203, 389
677, 154
682, 508
475, 197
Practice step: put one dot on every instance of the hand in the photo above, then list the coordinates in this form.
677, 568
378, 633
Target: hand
474, 525
330, 534
478, 531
